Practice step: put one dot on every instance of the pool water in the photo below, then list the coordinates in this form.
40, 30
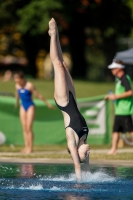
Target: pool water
57, 182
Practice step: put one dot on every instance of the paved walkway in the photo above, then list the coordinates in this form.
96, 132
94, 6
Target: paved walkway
126, 163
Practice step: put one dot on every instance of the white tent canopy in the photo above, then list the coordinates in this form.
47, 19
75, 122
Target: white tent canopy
125, 56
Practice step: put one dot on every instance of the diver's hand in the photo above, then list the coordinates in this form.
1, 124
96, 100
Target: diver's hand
88, 148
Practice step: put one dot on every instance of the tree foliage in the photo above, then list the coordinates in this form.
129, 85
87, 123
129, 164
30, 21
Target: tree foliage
91, 26
34, 16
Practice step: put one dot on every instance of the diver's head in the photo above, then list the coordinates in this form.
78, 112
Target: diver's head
83, 152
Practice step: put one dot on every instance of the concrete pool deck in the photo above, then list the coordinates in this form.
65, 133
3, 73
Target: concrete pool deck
124, 163
17, 157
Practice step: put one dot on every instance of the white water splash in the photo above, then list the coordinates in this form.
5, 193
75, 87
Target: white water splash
11, 187
32, 187
54, 188
96, 177
71, 178
87, 177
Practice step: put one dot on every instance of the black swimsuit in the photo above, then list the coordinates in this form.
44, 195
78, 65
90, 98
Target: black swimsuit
77, 121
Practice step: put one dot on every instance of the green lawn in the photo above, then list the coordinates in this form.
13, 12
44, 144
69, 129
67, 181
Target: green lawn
83, 88
37, 148
59, 151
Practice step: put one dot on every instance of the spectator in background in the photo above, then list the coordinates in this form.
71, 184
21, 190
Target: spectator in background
123, 99
24, 91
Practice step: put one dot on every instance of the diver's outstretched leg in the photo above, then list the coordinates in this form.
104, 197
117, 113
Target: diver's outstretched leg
69, 80
61, 90
56, 52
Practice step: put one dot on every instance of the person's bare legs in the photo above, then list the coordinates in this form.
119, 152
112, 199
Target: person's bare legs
115, 139
69, 80
131, 134
23, 119
61, 89
29, 123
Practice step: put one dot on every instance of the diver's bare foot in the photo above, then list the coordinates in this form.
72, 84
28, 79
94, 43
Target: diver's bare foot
111, 152
52, 27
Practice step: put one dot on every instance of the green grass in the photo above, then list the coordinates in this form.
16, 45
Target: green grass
93, 156
83, 88
52, 151
18, 148
120, 156
37, 148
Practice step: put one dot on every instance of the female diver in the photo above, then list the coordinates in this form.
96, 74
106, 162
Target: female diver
24, 91
75, 125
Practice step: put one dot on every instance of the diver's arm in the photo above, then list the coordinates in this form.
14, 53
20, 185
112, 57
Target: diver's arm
75, 157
